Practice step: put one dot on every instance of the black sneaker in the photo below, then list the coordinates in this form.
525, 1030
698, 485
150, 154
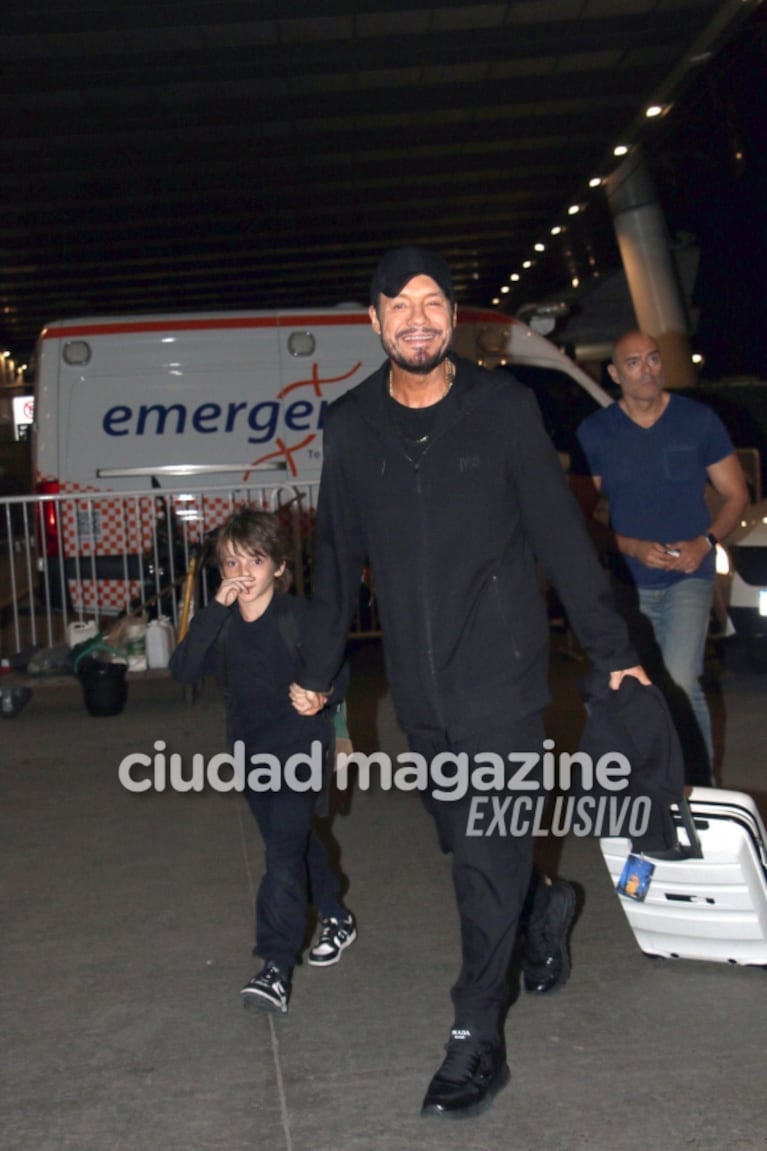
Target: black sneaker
269, 990
335, 936
472, 1073
546, 962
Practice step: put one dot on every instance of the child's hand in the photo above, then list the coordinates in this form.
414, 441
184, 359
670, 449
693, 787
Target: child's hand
231, 589
307, 702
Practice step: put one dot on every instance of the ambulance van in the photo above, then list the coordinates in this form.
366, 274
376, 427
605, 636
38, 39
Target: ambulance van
202, 406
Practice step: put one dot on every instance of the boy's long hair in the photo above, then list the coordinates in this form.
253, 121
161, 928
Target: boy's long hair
256, 533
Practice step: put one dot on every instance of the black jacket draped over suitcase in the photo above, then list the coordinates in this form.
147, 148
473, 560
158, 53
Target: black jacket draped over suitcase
636, 722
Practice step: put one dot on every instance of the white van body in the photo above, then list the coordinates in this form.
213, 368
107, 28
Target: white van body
191, 403
128, 403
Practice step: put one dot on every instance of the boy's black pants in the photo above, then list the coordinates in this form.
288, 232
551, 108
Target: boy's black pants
297, 873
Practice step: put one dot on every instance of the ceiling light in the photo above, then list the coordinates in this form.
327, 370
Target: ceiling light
540, 247
620, 150
573, 210
515, 277
505, 288
557, 229
575, 282
595, 181
496, 301
653, 111
527, 264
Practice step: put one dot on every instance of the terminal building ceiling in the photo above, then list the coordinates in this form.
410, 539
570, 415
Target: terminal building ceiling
216, 154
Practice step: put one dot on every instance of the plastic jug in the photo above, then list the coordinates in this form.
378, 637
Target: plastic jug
80, 630
160, 641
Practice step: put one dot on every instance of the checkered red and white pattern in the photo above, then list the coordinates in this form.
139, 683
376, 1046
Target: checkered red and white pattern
96, 524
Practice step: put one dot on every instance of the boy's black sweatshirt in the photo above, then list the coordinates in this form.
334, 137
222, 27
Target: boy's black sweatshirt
254, 665
453, 542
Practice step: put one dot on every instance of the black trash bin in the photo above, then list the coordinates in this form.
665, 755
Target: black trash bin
104, 688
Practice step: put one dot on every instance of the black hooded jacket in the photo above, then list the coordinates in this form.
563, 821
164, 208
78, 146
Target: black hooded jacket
453, 543
636, 722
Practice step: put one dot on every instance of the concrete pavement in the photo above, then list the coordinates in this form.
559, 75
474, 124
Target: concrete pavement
127, 926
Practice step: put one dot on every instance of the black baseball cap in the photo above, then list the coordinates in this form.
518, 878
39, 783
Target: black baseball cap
401, 264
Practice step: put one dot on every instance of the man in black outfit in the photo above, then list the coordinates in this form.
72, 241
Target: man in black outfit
441, 476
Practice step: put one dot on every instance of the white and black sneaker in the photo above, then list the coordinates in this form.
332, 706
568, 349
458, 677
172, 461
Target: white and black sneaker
269, 990
335, 936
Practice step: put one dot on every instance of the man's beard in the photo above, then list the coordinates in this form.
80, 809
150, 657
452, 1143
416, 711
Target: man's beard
424, 368
416, 367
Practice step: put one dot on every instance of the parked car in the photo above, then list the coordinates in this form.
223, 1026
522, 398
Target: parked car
744, 584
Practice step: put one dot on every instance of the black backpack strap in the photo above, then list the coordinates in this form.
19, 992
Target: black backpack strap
287, 622
222, 666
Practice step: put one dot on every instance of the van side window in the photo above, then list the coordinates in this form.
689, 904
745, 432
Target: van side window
562, 401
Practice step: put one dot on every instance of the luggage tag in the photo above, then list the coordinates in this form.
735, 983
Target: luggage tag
635, 878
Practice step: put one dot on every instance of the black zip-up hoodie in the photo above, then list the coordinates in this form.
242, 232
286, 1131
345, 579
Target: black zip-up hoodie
453, 542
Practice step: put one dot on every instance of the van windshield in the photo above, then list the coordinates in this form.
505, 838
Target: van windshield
563, 402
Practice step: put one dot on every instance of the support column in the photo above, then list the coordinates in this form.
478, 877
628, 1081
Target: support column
642, 237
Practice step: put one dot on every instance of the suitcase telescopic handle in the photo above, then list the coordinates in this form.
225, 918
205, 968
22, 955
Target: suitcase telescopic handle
685, 814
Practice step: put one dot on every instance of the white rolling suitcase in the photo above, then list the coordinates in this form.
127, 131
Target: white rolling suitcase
713, 907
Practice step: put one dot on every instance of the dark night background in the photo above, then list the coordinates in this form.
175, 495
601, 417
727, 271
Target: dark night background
708, 160
712, 180
156, 197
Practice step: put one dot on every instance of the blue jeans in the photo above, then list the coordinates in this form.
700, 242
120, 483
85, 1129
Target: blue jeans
672, 651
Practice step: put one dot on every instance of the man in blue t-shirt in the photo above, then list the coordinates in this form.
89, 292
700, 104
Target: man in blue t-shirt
651, 454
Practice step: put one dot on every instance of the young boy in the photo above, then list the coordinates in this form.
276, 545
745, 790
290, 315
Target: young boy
249, 636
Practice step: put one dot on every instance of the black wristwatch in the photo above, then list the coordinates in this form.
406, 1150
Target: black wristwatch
712, 539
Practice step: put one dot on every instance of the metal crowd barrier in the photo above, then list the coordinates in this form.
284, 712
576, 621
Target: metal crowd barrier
72, 559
